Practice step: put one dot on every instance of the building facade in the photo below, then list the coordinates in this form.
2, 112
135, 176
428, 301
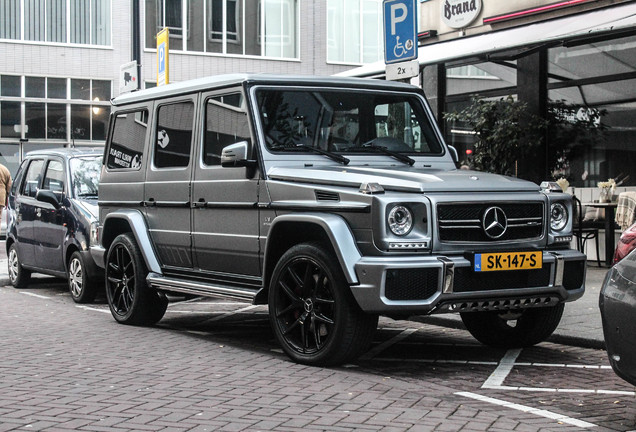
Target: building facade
62, 58
573, 61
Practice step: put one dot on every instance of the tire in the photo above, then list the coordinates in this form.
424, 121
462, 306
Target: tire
513, 329
130, 299
312, 312
18, 275
82, 288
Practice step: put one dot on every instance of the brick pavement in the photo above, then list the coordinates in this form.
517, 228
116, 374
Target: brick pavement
74, 368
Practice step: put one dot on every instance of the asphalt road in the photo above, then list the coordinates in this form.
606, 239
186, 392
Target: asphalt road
214, 365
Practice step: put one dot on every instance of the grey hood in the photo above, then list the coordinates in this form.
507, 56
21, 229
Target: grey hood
405, 179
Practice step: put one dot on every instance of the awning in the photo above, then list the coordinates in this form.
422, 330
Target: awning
585, 25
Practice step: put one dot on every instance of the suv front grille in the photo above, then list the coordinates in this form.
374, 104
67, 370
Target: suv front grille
462, 222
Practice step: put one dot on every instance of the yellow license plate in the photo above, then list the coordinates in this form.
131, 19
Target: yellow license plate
508, 261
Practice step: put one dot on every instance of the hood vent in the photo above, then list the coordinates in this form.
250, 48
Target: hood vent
326, 196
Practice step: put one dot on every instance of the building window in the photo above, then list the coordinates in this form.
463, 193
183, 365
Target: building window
267, 28
354, 31
54, 108
85, 22
169, 15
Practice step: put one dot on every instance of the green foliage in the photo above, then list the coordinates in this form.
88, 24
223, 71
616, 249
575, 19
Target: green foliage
504, 130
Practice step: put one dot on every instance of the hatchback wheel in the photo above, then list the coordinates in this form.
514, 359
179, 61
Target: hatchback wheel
18, 275
82, 288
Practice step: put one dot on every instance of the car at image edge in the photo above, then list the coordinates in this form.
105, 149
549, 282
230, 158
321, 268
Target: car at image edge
52, 215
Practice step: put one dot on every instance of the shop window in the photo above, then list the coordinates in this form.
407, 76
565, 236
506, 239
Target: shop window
594, 82
55, 121
35, 119
80, 122
129, 136
174, 135
81, 89
9, 119
99, 123
35, 87
56, 88
10, 85
354, 31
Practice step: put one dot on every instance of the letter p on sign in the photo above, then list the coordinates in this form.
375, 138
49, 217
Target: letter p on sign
395, 19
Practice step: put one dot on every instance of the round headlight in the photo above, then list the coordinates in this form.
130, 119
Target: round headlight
558, 216
400, 220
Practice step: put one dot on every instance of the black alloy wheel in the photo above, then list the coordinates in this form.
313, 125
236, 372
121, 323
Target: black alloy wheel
314, 317
130, 299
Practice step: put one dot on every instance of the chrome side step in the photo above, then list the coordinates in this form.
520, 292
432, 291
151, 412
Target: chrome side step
161, 282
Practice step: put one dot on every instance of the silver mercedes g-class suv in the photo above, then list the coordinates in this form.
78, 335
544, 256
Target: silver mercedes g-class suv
331, 200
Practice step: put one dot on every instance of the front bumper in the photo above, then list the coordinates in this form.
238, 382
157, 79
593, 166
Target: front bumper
442, 284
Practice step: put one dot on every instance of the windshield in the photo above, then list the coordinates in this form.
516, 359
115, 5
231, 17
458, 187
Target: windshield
345, 121
85, 176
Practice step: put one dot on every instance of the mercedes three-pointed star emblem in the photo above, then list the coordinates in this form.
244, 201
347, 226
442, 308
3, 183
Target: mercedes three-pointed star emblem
494, 222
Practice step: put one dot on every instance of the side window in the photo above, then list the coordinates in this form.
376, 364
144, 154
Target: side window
54, 177
127, 144
174, 135
32, 180
225, 123
17, 181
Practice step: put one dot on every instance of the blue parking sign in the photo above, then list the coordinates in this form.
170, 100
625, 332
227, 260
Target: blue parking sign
400, 30
161, 57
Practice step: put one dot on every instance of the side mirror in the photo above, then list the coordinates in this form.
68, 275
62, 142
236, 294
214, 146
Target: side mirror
235, 155
48, 196
453, 152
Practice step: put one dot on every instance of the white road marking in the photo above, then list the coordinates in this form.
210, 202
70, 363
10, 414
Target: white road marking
416, 360
89, 308
226, 314
496, 379
384, 345
540, 412
34, 295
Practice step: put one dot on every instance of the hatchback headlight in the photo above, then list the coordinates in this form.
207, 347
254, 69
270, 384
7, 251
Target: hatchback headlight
94, 234
400, 220
558, 216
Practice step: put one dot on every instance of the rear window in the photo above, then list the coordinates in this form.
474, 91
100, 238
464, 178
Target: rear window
127, 143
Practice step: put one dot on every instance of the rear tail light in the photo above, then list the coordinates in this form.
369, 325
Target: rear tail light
626, 243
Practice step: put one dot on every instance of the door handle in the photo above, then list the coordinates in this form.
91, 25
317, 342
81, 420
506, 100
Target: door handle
150, 203
200, 204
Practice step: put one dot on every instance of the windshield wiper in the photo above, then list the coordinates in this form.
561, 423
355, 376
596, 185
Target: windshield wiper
379, 149
333, 156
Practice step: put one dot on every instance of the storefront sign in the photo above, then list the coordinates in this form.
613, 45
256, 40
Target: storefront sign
460, 13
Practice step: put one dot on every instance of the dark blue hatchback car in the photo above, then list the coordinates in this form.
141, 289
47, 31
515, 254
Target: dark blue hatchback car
52, 218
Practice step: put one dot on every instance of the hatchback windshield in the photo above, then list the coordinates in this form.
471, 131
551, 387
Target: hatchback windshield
85, 176
345, 121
